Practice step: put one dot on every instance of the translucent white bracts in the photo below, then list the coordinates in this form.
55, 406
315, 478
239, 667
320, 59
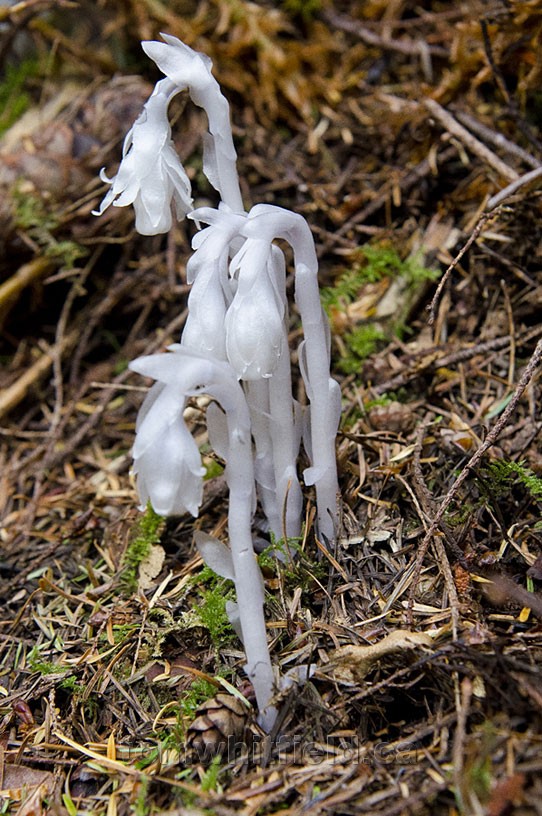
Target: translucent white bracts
269, 222
255, 319
150, 175
167, 462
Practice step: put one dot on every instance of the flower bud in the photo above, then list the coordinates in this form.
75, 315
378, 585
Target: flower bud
167, 461
254, 321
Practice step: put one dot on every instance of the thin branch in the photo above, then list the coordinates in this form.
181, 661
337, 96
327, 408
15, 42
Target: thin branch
512, 188
407, 46
442, 283
471, 142
498, 139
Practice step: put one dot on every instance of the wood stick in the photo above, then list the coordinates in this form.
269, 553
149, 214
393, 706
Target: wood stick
471, 142
25, 275
12, 396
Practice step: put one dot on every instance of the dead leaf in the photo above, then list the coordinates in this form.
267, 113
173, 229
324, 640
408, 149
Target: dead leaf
354, 662
29, 786
151, 567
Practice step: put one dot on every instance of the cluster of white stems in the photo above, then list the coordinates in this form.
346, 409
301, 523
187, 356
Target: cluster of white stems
234, 348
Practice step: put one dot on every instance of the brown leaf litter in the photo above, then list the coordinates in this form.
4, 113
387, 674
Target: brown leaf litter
401, 127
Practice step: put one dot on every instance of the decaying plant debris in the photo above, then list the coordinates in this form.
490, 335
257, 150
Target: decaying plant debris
393, 127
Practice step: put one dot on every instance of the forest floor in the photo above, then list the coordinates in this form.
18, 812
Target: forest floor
409, 136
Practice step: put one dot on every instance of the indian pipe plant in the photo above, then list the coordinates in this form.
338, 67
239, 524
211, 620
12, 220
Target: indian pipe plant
234, 348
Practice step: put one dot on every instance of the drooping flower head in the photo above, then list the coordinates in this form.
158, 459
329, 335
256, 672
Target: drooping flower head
167, 463
267, 222
150, 176
188, 69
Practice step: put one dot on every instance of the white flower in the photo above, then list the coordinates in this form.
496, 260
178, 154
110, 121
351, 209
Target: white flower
167, 462
207, 271
190, 69
150, 176
255, 331
266, 222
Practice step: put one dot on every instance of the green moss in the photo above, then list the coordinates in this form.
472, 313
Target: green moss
200, 691
296, 569
378, 402
359, 344
14, 99
144, 535
37, 217
371, 265
495, 482
346, 288
71, 684
305, 9
212, 469
36, 663
502, 475
209, 779
66, 253
31, 213
213, 592
212, 612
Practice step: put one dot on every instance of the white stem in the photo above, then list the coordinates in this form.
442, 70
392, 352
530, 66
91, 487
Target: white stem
247, 571
223, 150
229, 189
257, 394
274, 222
186, 68
285, 441
320, 388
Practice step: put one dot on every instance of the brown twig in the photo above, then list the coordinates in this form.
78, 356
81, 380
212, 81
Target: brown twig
512, 188
469, 141
31, 5
423, 363
497, 139
407, 46
502, 85
12, 396
442, 283
26, 274
458, 751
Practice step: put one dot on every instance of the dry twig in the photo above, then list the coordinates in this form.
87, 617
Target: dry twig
469, 141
